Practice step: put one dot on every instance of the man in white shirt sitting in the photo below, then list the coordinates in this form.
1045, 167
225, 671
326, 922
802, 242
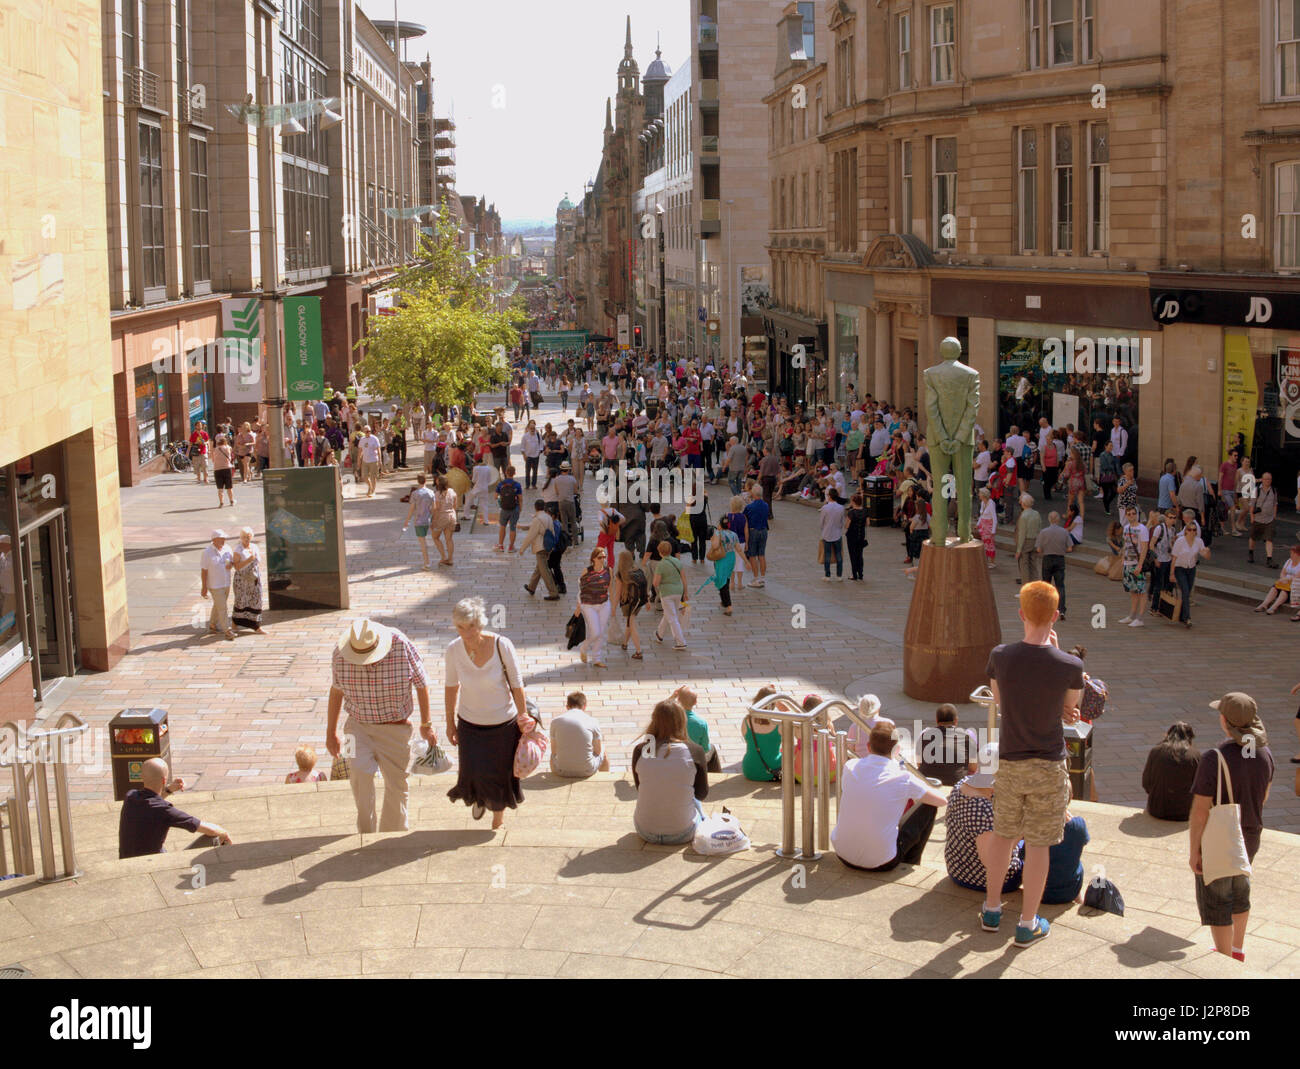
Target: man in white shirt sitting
876, 829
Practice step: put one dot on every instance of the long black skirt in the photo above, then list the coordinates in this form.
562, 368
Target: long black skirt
487, 766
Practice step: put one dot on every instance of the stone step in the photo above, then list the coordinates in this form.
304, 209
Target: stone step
568, 889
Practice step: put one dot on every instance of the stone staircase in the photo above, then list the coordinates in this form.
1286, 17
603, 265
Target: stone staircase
567, 889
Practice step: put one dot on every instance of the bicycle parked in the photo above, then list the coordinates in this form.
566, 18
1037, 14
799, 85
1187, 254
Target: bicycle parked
178, 456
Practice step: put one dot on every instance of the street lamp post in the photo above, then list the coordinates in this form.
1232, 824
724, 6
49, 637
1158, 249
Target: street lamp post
275, 400
266, 116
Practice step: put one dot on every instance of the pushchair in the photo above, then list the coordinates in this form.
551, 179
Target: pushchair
577, 513
593, 459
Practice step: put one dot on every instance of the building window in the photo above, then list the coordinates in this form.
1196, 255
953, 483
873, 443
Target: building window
772, 215
846, 200
904, 34
132, 35
1288, 48
1062, 190
1028, 189
820, 109
905, 188
945, 192
153, 253
782, 215
1088, 32
844, 78
809, 13
943, 43
150, 412
817, 194
803, 200
1098, 187
1286, 221
1034, 33
1060, 29
200, 240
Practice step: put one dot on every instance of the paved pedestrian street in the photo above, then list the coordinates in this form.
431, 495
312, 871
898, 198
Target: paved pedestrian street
239, 709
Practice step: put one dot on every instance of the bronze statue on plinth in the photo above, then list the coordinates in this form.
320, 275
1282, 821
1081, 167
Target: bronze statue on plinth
952, 400
952, 624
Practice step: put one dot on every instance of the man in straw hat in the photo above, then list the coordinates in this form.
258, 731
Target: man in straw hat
214, 579
1224, 904
374, 668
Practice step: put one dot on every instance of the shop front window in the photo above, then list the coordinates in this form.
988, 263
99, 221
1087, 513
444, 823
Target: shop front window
150, 413
1039, 377
200, 398
10, 633
846, 352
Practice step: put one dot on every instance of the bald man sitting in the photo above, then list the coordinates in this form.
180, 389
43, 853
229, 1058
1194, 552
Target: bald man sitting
147, 816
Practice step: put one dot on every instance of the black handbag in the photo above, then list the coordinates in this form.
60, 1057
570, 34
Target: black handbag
576, 630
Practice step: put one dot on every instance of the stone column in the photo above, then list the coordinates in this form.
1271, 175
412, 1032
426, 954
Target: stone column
95, 534
883, 386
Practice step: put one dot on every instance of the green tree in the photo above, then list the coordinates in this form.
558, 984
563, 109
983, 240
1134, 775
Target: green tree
444, 340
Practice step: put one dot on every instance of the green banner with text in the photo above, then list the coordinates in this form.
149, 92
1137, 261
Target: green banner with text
304, 353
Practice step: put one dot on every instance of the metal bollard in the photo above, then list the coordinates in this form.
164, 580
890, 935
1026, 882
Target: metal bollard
19, 828
841, 752
824, 789
787, 791
806, 790
44, 827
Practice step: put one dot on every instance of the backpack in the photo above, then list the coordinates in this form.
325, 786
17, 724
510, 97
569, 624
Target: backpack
508, 495
551, 537
1093, 703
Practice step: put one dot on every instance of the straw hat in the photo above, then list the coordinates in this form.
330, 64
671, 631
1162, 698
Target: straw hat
366, 642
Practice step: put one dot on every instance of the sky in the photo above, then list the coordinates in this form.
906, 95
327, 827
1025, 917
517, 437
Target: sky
527, 80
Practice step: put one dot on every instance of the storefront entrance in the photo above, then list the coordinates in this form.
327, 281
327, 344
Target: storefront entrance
45, 574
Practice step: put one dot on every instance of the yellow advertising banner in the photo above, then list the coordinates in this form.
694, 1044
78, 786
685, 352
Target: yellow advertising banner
1240, 390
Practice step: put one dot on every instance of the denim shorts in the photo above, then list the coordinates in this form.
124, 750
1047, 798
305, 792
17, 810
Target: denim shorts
756, 546
1221, 899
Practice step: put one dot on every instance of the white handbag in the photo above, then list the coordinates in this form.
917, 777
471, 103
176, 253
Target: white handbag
1223, 847
721, 834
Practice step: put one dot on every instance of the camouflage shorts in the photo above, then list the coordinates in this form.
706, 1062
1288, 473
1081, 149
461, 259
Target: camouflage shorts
1029, 801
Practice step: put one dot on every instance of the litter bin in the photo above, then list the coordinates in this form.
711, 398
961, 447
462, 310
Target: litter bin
652, 408
1078, 755
879, 494
134, 736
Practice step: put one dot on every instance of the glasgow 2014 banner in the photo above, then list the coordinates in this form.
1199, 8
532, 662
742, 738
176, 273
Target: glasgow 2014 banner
304, 353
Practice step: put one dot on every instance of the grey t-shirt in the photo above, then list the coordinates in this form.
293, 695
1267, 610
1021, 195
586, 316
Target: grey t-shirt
423, 498
667, 786
573, 736
1032, 684
1054, 541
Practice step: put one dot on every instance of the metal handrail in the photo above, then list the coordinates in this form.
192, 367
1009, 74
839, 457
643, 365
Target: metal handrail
810, 722
20, 832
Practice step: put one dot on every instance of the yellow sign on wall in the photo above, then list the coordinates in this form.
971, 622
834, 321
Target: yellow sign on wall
1240, 390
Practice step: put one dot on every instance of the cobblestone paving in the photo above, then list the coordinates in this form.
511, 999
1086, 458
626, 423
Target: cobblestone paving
238, 710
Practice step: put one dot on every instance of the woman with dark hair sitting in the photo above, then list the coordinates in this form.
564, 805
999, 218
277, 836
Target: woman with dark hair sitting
671, 777
1170, 770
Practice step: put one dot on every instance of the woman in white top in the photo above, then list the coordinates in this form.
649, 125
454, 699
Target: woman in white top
1188, 550
988, 525
983, 466
431, 438
486, 716
1285, 589
832, 521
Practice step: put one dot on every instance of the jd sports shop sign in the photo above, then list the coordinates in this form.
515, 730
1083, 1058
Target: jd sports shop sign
1227, 308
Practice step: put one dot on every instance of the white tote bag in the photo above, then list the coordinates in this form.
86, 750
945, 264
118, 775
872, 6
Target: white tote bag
720, 834
1223, 847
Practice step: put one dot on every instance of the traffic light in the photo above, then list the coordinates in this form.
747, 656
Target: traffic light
526, 343
636, 337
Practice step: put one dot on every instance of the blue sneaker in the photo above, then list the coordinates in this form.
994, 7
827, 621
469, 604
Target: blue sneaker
990, 919
1037, 933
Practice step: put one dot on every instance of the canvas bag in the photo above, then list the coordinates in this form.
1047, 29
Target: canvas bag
1223, 847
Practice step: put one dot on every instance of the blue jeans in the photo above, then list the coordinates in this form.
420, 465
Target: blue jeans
680, 837
735, 480
833, 549
1185, 577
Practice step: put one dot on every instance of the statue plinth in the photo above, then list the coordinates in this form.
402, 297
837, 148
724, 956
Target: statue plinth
952, 625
